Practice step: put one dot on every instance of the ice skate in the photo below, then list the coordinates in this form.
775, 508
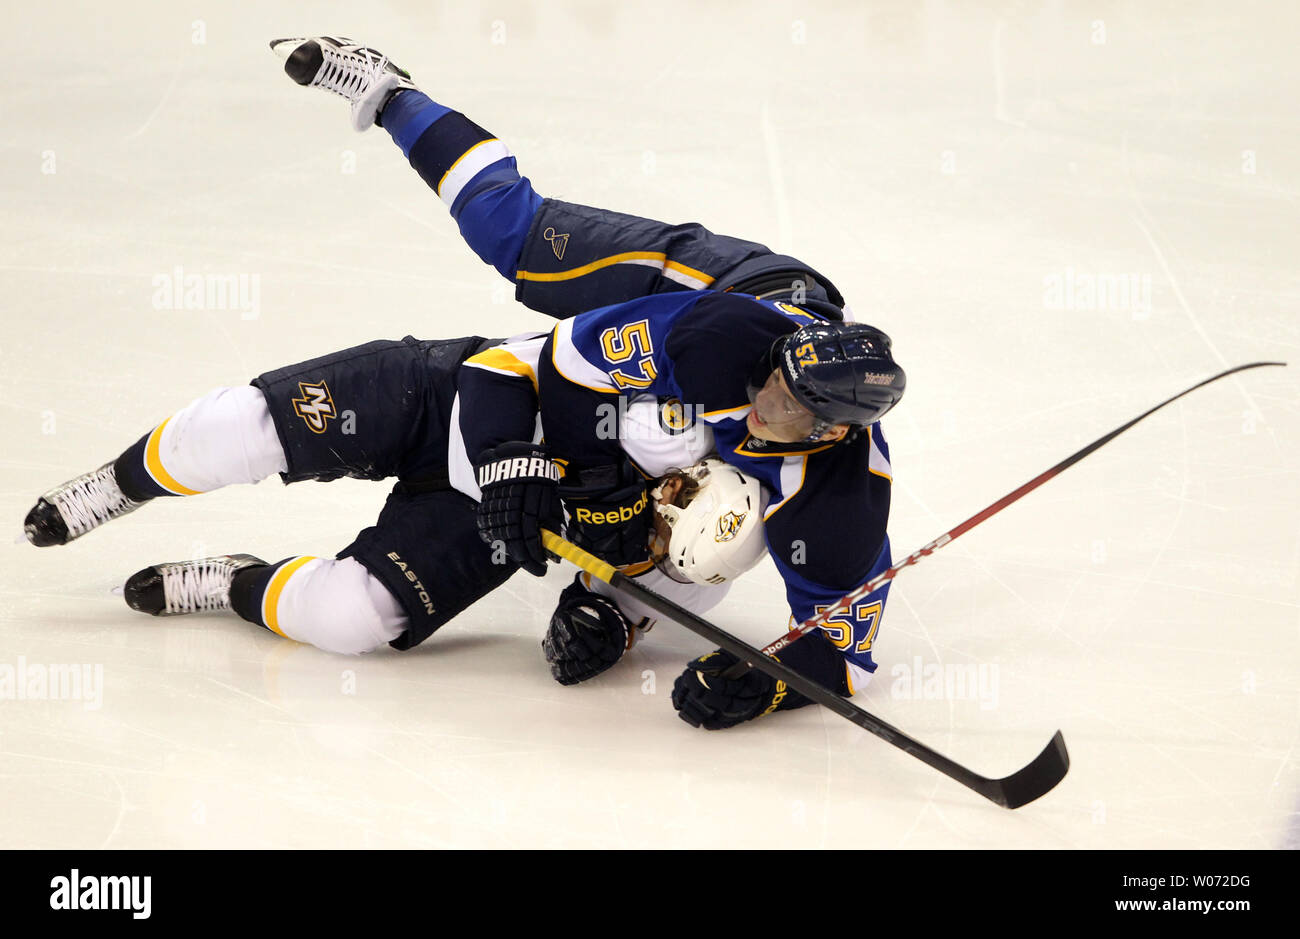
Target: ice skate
198, 586
361, 74
76, 507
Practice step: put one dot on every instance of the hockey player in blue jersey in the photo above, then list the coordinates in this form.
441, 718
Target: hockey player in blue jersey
751, 343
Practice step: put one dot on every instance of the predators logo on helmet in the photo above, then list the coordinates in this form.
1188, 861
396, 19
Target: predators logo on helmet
729, 526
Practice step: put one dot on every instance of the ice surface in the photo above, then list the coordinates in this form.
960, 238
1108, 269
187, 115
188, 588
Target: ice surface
959, 169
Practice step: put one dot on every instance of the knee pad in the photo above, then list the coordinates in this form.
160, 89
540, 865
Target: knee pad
224, 437
336, 605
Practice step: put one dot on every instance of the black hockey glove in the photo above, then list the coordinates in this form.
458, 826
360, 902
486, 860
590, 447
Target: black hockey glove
520, 497
703, 698
588, 634
610, 513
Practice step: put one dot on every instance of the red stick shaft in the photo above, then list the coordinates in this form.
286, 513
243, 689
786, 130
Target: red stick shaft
875, 583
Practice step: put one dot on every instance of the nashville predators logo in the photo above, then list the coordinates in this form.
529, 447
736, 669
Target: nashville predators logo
729, 525
315, 406
558, 242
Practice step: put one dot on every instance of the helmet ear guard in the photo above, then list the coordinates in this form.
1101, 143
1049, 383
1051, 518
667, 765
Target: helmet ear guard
718, 534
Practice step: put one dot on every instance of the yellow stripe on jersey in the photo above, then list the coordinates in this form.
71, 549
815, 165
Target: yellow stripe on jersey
271, 599
659, 259
795, 311
498, 359
740, 448
153, 462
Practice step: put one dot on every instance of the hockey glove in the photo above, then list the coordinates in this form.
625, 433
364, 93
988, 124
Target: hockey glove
588, 634
520, 487
610, 513
703, 698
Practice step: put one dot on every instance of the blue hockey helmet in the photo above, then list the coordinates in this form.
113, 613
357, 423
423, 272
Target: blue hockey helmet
843, 372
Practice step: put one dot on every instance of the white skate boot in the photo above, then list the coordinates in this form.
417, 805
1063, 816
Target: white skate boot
362, 75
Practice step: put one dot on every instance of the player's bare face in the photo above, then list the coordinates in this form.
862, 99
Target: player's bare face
669, 490
776, 415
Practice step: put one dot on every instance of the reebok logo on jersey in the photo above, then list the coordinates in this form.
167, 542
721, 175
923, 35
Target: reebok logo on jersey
870, 379
315, 406
518, 468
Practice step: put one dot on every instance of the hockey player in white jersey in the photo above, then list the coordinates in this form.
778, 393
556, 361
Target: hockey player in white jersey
423, 561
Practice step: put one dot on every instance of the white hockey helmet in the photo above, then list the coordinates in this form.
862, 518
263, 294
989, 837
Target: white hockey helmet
718, 535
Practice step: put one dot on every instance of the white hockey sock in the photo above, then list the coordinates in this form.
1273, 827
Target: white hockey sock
335, 605
224, 437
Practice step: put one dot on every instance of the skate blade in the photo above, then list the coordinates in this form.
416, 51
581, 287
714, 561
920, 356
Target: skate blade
284, 47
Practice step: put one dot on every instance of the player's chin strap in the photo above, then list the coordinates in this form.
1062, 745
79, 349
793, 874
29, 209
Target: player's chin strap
1026, 784
819, 427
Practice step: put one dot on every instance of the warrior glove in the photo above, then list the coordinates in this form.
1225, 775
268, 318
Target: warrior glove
520, 485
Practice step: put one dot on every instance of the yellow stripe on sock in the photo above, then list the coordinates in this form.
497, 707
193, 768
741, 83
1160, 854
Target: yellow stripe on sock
271, 599
153, 462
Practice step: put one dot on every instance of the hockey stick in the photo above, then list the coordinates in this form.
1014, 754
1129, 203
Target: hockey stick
1025, 785
875, 583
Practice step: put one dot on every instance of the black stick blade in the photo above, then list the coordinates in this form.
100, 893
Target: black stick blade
1038, 778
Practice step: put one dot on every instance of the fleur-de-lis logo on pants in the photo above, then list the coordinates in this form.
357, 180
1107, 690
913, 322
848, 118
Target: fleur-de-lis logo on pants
558, 242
